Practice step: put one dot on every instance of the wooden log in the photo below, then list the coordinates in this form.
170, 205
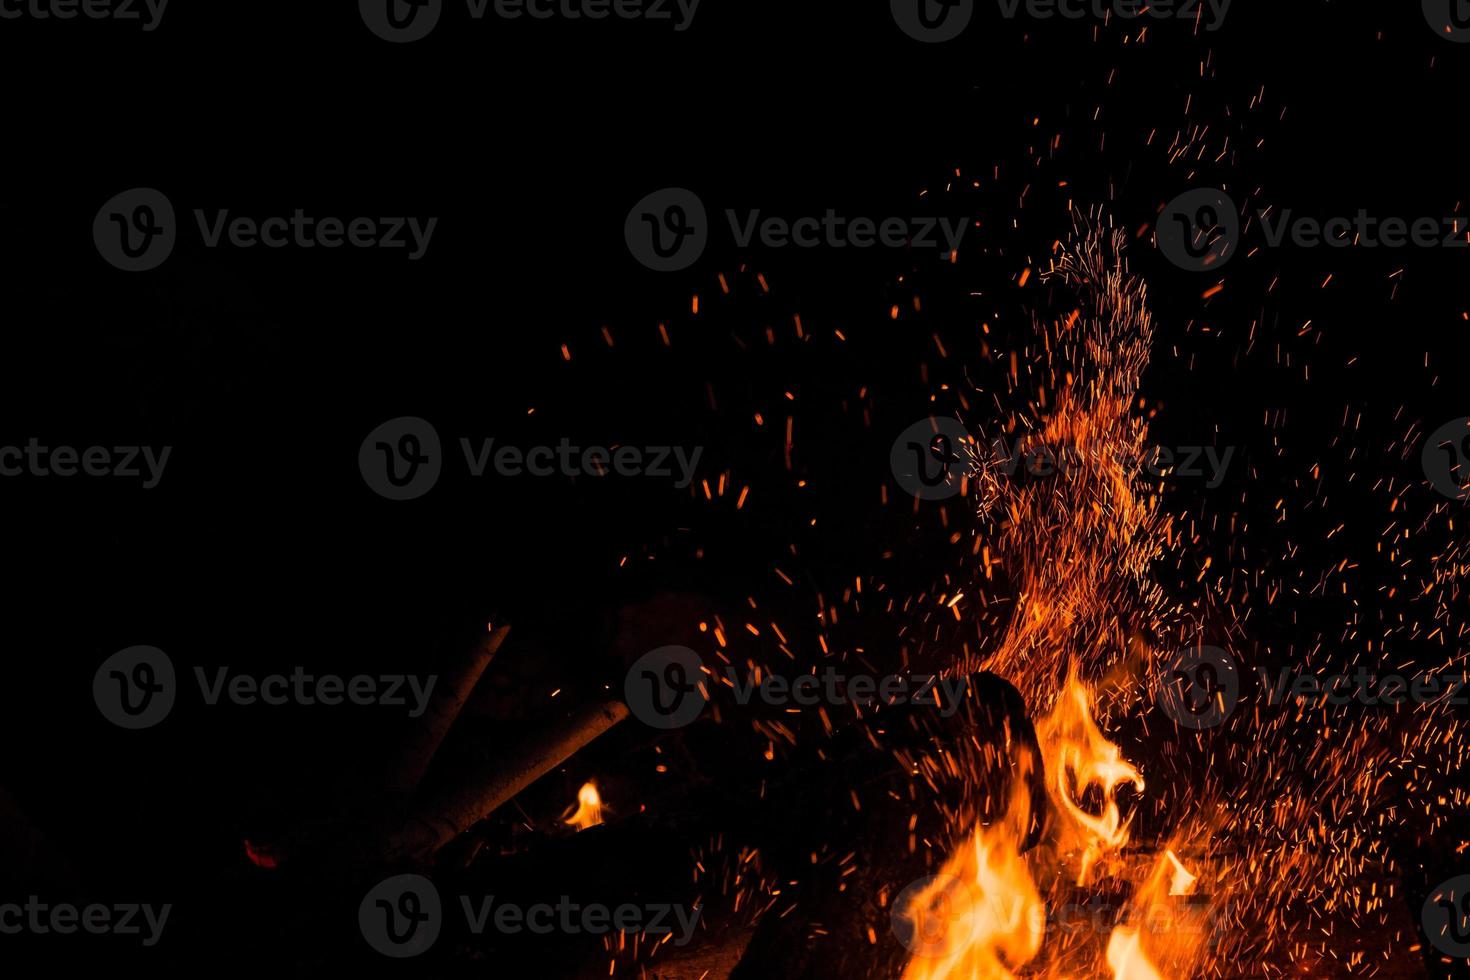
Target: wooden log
440, 818
406, 768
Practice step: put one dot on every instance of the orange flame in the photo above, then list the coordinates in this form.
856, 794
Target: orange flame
588, 812
1079, 758
1181, 882
1164, 936
1081, 549
1126, 957
980, 916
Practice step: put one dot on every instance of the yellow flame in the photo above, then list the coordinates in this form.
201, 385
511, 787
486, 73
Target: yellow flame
980, 918
588, 812
1081, 549
1078, 757
1126, 957
1182, 882
1164, 937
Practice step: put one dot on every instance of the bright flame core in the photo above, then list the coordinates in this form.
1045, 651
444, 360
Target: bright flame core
1079, 758
588, 812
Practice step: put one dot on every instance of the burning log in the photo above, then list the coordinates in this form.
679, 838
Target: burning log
893, 797
438, 819
409, 823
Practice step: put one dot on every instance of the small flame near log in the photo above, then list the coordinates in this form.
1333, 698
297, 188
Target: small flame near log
588, 811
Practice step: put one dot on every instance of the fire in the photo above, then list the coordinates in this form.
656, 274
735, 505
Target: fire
1126, 958
588, 812
1274, 812
1079, 758
979, 917
1165, 932
1181, 882
984, 918
1081, 549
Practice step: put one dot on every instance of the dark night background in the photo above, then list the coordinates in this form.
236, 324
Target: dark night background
264, 369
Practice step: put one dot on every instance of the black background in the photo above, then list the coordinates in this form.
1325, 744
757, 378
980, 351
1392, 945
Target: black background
262, 547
